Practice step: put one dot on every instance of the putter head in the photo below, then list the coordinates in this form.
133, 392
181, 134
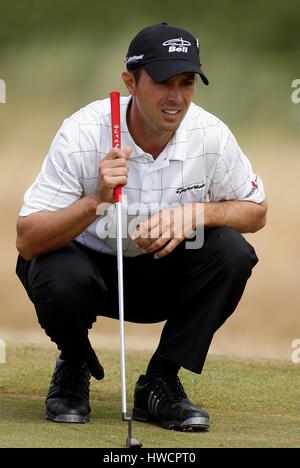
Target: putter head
131, 442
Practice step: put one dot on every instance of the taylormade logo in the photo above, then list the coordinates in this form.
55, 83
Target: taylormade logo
191, 187
177, 45
134, 58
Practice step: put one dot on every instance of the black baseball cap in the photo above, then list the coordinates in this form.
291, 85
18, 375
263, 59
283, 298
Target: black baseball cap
164, 51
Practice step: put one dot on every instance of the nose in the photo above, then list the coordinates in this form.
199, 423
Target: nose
174, 95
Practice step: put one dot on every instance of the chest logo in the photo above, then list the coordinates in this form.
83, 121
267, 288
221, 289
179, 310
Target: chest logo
181, 190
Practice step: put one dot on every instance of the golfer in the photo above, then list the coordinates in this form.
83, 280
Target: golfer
183, 174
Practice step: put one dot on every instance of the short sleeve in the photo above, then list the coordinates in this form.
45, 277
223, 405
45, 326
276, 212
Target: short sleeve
233, 177
58, 184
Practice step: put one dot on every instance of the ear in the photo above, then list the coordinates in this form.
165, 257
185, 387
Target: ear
129, 82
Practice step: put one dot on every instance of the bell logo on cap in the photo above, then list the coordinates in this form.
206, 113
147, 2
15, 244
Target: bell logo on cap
177, 45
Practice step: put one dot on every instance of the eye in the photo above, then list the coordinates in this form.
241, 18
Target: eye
188, 83
161, 83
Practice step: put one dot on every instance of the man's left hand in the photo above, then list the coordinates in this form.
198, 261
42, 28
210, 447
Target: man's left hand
165, 230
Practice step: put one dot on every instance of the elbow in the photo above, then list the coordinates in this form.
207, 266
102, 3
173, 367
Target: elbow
263, 221
23, 249
260, 225
263, 217
260, 222
22, 241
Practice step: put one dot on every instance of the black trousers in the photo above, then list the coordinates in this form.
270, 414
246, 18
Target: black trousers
195, 291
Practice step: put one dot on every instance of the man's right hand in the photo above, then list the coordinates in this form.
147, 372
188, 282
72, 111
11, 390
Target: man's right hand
113, 171
45, 231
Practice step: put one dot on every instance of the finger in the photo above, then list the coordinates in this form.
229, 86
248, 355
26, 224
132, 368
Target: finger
162, 230
115, 171
168, 248
119, 153
147, 243
156, 245
143, 243
140, 232
112, 182
146, 238
115, 162
161, 240
144, 229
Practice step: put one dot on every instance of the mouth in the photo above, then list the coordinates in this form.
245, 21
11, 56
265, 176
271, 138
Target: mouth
171, 112
171, 115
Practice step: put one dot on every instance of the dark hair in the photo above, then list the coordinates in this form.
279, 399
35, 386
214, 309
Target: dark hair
136, 73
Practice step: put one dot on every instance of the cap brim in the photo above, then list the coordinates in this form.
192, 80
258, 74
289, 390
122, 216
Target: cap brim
164, 70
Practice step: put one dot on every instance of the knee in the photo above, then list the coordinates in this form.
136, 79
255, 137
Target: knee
236, 253
57, 281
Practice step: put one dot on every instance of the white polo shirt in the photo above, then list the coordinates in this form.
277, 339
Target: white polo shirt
201, 162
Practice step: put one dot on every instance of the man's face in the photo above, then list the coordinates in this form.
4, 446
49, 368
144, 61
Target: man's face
162, 106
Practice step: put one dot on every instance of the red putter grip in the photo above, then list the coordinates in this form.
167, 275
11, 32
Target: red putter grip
116, 132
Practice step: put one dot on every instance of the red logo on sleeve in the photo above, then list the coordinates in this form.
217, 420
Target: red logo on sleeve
254, 184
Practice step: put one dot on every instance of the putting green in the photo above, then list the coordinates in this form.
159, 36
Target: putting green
251, 403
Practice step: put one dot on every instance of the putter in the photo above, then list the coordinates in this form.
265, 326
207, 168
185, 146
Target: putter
131, 442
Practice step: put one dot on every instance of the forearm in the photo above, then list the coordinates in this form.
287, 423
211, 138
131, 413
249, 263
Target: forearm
243, 216
46, 231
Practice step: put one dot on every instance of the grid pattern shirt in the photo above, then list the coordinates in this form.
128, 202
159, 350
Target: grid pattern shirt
202, 162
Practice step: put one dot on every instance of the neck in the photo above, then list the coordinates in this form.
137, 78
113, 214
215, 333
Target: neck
150, 139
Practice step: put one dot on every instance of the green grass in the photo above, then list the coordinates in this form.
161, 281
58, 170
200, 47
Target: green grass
251, 404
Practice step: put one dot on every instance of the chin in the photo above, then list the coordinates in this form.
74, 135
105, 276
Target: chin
171, 127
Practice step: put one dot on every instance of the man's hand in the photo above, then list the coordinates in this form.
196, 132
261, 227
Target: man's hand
45, 231
164, 231
113, 171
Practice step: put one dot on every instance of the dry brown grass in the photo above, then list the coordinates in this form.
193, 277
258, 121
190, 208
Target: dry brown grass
267, 319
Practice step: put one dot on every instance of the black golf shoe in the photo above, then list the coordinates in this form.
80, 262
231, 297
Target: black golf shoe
68, 397
163, 401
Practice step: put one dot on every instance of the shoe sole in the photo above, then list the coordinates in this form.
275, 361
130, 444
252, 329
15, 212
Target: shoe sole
189, 425
68, 418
